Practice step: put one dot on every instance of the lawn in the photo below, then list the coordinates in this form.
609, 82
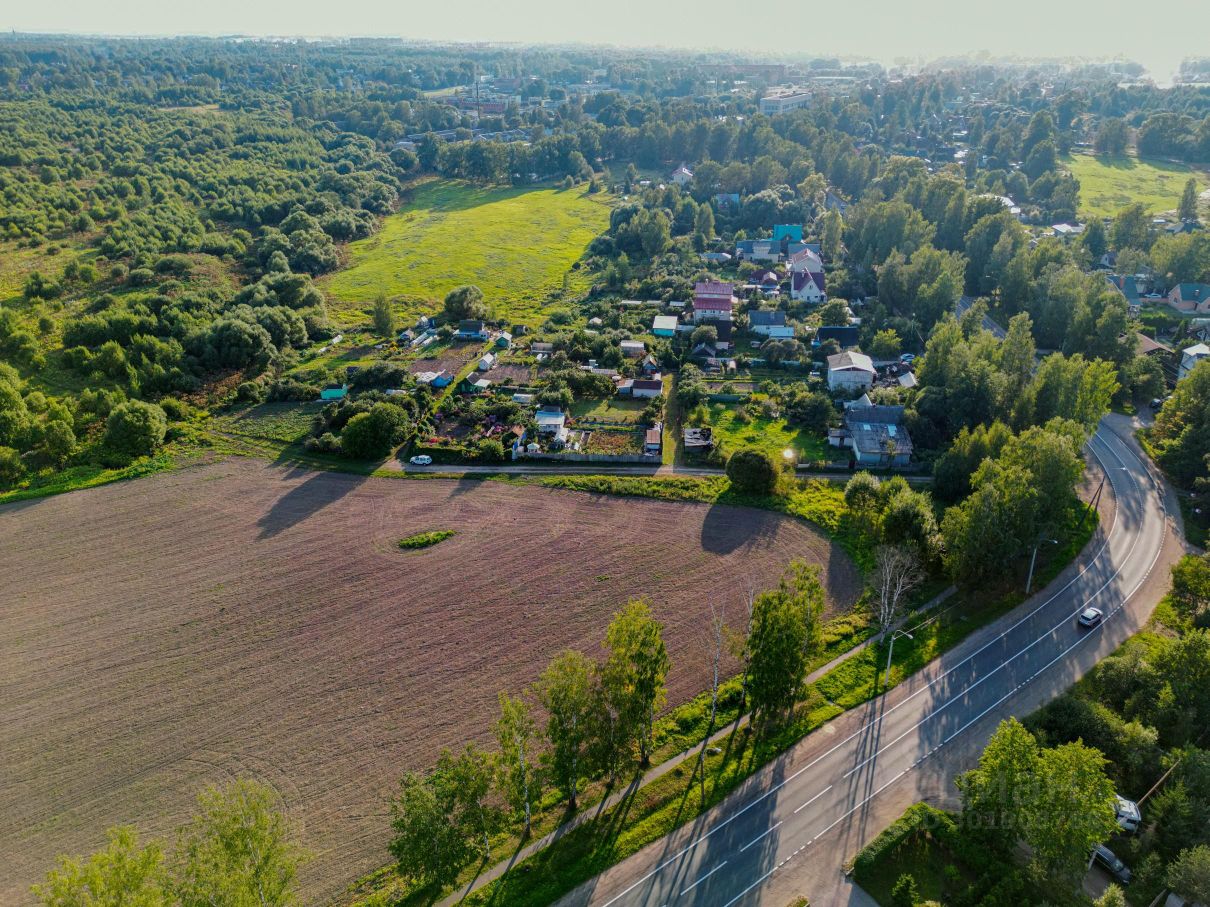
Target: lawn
516, 244
609, 409
774, 436
1110, 183
285, 423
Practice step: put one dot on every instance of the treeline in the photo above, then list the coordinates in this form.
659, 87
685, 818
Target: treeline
147, 334
600, 724
141, 180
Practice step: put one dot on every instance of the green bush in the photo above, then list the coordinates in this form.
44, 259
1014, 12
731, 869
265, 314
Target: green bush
752, 472
905, 893
135, 428
373, 434
490, 450
11, 468
425, 539
919, 818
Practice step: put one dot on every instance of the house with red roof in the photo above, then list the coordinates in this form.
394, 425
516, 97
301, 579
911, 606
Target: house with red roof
713, 301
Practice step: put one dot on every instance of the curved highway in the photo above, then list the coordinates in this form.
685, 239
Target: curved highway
790, 828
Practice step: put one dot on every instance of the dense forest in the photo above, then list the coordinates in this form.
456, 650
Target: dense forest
189, 191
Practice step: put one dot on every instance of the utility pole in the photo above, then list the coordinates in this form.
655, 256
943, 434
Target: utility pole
1092, 504
889, 651
1033, 559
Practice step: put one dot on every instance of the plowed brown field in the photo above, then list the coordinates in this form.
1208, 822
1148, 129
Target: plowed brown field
241, 619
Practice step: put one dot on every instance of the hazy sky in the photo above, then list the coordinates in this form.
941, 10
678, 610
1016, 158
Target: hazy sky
1157, 33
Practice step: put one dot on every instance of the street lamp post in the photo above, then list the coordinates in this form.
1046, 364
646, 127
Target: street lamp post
1033, 559
890, 650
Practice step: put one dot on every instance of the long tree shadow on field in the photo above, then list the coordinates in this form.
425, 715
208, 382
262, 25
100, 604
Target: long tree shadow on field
728, 527
306, 499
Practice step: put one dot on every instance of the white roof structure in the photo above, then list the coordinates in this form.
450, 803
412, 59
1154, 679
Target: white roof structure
851, 361
549, 421
664, 323
1196, 351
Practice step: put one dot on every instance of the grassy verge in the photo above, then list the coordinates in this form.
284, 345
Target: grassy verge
1196, 526
425, 539
77, 477
815, 500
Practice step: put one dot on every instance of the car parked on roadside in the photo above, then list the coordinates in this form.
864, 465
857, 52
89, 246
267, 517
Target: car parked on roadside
1090, 617
1109, 860
421, 460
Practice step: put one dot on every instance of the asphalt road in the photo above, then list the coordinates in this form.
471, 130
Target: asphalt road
789, 829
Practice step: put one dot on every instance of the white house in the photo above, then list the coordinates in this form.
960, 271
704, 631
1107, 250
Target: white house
807, 286
682, 175
850, 371
758, 250
633, 349
805, 259
551, 422
1191, 356
712, 301
487, 361
647, 387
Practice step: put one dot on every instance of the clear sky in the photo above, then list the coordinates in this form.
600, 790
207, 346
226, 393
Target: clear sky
1156, 33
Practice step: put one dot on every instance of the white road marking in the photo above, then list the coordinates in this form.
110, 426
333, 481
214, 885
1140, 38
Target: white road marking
767, 831
703, 878
813, 799
1109, 449
753, 885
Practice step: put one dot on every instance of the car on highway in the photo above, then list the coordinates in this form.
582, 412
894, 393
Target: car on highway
1090, 617
421, 460
1109, 860
1128, 814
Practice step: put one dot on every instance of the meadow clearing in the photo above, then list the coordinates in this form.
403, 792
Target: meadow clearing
239, 619
1109, 183
736, 430
515, 244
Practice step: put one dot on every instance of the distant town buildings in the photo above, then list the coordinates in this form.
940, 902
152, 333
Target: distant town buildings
783, 100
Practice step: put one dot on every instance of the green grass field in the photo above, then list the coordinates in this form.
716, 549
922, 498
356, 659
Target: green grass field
773, 436
1110, 183
609, 409
514, 244
284, 423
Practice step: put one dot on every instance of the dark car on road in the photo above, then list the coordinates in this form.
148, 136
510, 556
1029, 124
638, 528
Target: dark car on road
1109, 860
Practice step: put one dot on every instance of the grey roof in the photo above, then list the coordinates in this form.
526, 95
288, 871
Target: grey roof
769, 319
884, 415
876, 438
845, 335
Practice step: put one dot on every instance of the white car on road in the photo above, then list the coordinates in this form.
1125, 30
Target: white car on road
1090, 617
421, 460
